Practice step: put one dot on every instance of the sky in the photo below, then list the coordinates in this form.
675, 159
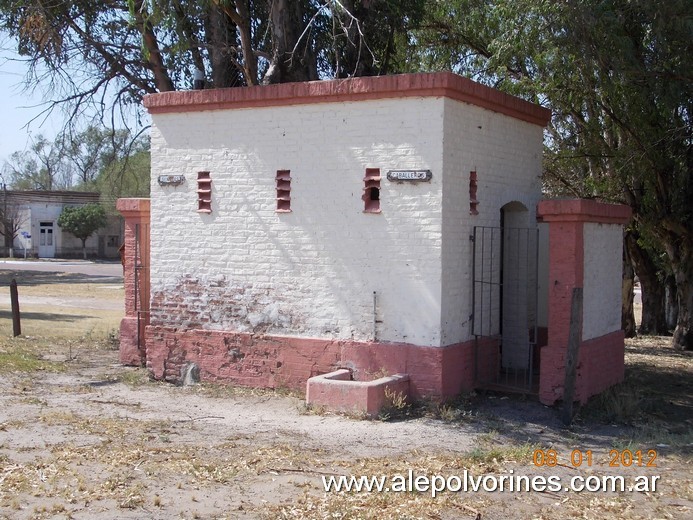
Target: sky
18, 109
21, 118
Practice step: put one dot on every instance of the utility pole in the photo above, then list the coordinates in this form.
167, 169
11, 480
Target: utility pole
5, 228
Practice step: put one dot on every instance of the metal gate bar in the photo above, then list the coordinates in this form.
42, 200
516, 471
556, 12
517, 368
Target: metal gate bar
141, 282
504, 306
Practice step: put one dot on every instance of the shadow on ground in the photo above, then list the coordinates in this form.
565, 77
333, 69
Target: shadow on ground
33, 278
652, 408
45, 316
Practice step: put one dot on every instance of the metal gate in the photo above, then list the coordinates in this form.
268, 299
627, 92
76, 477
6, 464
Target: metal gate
504, 307
141, 281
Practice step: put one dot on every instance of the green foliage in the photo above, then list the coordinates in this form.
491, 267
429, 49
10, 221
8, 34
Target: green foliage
92, 150
82, 221
41, 167
21, 360
617, 77
127, 177
145, 46
73, 160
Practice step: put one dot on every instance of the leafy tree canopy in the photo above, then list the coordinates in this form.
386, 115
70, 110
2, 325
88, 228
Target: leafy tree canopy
82, 221
73, 160
617, 77
85, 52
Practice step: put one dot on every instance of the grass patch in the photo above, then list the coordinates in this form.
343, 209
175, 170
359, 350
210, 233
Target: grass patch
656, 387
21, 359
30, 354
62, 305
225, 391
49, 321
396, 406
486, 455
623, 403
135, 377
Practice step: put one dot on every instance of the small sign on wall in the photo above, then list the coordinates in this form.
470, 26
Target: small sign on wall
171, 180
409, 175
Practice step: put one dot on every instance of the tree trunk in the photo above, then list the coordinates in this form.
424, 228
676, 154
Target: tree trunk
222, 41
672, 304
651, 289
357, 59
291, 60
681, 256
239, 13
627, 312
84, 247
154, 60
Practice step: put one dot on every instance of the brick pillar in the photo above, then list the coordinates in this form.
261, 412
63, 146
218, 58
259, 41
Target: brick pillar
566, 220
136, 280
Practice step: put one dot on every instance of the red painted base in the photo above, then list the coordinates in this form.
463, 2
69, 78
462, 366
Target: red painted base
272, 361
600, 365
130, 352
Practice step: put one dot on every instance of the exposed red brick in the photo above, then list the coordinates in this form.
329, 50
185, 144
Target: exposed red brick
132, 342
601, 361
600, 366
275, 361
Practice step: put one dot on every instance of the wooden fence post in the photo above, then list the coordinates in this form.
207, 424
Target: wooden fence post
572, 355
14, 298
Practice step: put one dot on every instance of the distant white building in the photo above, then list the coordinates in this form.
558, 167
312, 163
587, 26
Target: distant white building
35, 215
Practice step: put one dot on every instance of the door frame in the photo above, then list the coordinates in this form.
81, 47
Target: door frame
47, 234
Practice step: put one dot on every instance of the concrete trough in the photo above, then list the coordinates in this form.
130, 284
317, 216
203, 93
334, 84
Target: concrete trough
337, 391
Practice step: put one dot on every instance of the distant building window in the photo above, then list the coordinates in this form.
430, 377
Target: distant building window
113, 241
283, 181
204, 192
371, 191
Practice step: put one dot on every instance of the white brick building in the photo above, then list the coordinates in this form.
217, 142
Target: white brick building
300, 228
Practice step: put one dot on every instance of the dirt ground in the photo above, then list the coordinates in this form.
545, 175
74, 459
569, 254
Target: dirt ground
82, 437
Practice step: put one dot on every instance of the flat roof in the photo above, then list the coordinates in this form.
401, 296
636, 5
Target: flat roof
437, 84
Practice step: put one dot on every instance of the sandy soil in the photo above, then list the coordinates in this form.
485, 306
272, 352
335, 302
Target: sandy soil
82, 437
88, 438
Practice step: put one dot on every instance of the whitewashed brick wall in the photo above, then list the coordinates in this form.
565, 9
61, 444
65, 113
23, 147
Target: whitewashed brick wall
506, 154
313, 272
603, 267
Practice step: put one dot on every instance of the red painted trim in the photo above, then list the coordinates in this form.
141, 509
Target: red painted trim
582, 210
601, 359
274, 361
600, 365
439, 84
133, 208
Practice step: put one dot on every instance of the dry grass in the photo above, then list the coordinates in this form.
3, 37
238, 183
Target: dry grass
120, 464
88, 291
45, 322
79, 463
62, 305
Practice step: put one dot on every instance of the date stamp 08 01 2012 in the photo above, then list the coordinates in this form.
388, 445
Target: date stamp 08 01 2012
577, 458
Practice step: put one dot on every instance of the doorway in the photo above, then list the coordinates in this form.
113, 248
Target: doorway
46, 240
505, 300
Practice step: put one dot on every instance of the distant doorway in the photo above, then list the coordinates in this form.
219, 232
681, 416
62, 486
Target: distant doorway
46, 240
505, 300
